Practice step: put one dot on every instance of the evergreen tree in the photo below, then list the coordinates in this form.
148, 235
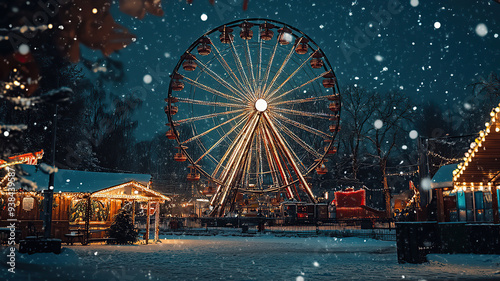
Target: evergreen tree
122, 228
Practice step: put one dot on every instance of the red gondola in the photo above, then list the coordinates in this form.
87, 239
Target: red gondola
334, 106
285, 35
177, 84
246, 33
172, 110
170, 134
189, 63
329, 81
316, 61
204, 48
334, 128
226, 37
321, 169
266, 33
302, 46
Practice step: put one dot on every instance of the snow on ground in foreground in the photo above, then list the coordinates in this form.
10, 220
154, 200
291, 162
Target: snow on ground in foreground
258, 258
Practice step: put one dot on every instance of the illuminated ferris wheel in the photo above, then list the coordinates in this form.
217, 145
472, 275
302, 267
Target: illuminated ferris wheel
254, 106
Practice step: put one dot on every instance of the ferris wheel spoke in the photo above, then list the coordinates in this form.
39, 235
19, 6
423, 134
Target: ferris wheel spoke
198, 118
221, 81
302, 126
273, 169
283, 65
250, 65
299, 141
212, 129
290, 77
274, 159
298, 101
298, 87
304, 113
286, 151
228, 69
232, 146
304, 169
221, 189
211, 90
260, 165
236, 160
259, 75
211, 103
263, 82
220, 141
241, 70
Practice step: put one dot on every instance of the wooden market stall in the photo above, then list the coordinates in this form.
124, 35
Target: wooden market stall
442, 185
476, 180
114, 198
83, 201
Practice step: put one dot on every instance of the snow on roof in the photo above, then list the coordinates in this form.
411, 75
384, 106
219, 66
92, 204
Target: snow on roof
444, 176
81, 181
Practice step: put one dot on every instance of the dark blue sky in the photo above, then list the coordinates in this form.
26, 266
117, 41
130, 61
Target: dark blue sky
430, 49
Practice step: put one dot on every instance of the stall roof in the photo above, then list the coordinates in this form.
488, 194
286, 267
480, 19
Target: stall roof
482, 161
131, 190
81, 181
444, 176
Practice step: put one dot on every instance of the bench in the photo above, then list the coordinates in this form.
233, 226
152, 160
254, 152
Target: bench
107, 240
73, 235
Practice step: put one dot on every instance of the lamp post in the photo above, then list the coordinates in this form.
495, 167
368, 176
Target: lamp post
48, 194
54, 97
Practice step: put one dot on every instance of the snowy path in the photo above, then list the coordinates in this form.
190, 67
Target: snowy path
260, 258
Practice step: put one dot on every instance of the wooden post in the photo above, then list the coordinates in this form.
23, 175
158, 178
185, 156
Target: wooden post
157, 221
494, 197
387, 197
148, 217
87, 218
133, 212
440, 205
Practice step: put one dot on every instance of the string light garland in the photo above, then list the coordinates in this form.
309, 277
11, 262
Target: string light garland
470, 154
23, 29
450, 160
402, 174
105, 192
28, 158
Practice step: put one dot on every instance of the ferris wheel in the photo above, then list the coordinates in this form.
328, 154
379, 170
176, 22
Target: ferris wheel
254, 106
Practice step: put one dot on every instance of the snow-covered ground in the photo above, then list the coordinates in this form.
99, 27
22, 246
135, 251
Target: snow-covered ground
250, 258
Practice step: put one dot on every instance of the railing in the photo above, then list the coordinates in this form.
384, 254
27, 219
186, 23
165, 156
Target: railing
376, 229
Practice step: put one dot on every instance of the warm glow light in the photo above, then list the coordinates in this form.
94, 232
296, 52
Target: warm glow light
104, 193
261, 105
94, 11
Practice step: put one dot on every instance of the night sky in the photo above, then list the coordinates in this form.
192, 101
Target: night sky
430, 50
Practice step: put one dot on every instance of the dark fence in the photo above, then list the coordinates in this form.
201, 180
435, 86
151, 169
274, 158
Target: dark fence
417, 239
374, 228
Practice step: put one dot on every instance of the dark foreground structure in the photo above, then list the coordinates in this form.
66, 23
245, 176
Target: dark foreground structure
417, 239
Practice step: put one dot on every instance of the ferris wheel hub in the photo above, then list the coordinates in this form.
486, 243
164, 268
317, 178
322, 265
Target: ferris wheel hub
261, 105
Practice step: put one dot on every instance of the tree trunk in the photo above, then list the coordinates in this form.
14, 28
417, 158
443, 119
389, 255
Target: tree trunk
387, 194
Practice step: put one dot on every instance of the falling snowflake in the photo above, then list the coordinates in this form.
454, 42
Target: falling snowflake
481, 30
413, 134
147, 79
